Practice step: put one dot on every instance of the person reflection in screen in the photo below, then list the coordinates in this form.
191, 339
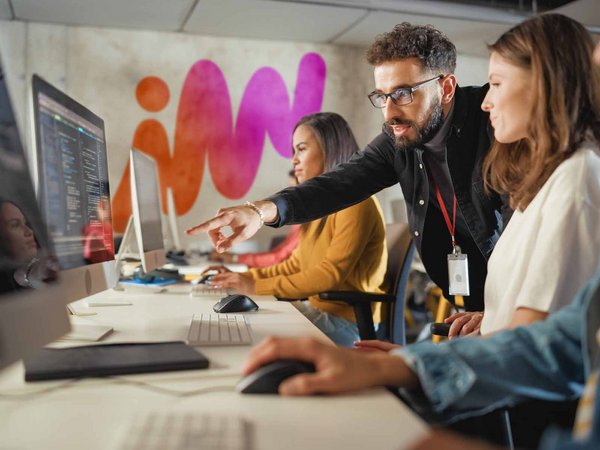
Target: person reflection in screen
98, 243
21, 262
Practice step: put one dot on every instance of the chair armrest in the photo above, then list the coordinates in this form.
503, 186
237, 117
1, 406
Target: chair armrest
440, 329
281, 299
353, 297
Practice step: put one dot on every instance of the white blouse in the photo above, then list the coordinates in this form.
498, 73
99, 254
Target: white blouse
547, 252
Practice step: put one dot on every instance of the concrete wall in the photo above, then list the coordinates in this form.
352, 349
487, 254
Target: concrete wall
101, 68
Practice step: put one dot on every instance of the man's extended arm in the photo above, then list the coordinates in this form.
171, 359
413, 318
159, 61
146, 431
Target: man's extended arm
366, 173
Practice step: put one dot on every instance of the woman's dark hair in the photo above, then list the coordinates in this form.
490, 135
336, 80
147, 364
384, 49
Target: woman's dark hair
335, 139
333, 135
557, 51
2, 255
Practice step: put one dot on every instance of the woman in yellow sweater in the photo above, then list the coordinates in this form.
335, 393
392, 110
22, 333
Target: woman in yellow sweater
344, 251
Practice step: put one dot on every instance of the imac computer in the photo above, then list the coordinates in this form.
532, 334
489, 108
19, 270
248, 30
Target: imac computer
32, 311
73, 190
145, 205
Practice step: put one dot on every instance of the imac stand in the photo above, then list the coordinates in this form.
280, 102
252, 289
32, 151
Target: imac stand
129, 250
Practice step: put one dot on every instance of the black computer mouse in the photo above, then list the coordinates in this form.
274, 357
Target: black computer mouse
266, 379
204, 279
235, 303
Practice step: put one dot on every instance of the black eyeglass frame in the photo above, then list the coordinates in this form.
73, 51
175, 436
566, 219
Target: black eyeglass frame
403, 90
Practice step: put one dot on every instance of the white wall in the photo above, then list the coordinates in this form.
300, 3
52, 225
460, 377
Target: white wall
101, 67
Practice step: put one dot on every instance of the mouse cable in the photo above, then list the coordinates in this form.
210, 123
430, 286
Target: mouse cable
39, 392
172, 392
116, 380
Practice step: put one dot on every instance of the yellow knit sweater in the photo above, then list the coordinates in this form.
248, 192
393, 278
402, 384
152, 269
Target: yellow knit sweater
348, 254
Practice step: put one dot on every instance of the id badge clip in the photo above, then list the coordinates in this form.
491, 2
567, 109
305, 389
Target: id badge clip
458, 273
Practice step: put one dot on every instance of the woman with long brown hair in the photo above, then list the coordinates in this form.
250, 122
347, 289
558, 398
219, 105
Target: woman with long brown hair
544, 105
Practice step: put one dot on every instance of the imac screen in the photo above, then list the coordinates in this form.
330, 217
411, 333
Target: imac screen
73, 173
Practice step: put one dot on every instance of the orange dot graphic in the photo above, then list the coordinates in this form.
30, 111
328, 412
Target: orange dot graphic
152, 93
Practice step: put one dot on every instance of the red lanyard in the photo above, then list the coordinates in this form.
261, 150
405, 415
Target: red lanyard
451, 225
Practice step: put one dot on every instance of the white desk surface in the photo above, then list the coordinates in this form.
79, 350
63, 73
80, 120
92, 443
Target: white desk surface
93, 414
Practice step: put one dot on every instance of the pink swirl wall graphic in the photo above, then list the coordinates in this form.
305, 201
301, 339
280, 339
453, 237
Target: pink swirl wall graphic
204, 130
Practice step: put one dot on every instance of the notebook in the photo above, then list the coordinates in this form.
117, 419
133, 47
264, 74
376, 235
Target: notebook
112, 359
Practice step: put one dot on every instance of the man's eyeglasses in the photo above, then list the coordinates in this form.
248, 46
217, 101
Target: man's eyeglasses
401, 96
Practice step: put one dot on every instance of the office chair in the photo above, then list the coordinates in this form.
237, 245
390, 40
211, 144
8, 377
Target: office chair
494, 426
440, 329
400, 250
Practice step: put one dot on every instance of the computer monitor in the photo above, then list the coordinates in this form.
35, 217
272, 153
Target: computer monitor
73, 189
145, 205
32, 311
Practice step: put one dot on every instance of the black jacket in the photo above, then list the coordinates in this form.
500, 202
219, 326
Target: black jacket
379, 166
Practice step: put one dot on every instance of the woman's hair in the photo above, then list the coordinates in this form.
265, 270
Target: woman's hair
336, 140
2, 202
333, 135
557, 51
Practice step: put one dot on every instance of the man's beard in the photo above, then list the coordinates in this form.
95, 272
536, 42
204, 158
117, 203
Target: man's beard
434, 123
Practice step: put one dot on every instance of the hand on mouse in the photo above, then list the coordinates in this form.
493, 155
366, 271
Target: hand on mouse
337, 369
214, 270
234, 280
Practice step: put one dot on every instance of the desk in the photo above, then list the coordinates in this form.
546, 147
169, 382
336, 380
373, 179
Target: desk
92, 414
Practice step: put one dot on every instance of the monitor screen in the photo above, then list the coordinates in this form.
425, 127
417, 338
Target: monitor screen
31, 308
73, 189
147, 216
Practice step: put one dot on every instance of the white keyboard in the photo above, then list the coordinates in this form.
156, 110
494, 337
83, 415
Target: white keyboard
219, 329
187, 431
202, 290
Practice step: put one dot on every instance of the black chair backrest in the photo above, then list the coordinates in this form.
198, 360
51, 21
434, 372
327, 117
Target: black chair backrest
401, 250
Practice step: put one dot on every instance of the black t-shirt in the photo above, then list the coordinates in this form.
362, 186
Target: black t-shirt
437, 168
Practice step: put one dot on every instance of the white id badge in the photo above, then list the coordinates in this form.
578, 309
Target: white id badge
458, 273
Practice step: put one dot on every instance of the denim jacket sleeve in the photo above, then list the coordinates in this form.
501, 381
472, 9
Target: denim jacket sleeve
471, 376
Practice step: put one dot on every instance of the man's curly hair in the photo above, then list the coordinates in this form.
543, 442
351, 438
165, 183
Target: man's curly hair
433, 48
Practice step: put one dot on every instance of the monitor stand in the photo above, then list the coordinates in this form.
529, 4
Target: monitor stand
129, 249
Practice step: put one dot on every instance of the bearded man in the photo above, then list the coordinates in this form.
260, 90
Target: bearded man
434, 139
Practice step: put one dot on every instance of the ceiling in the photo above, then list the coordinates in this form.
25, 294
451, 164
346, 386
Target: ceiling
468, 23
